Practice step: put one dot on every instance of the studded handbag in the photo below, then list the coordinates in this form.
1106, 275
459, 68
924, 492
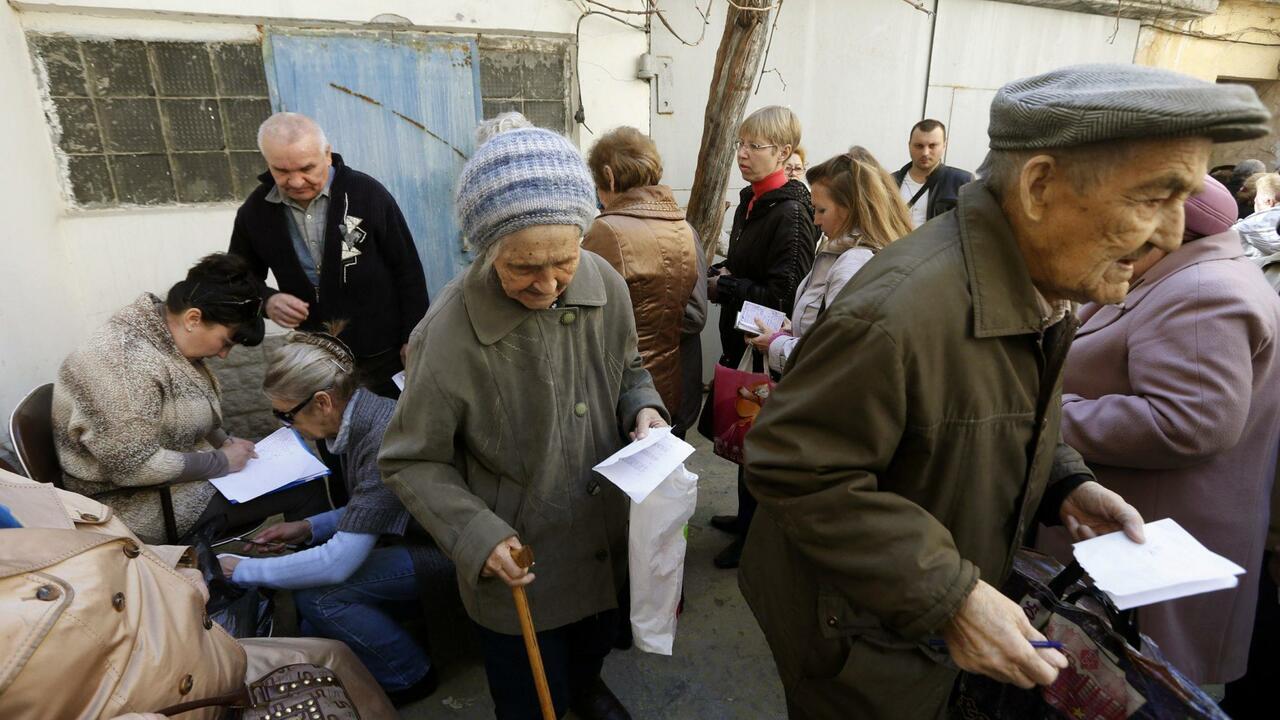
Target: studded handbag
291, 692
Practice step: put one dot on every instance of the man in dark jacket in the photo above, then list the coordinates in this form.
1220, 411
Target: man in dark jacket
915, 439
338, 246
928, 187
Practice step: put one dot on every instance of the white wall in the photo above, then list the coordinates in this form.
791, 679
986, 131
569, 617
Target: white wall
853, 72
36, 303
980, 45
66, 270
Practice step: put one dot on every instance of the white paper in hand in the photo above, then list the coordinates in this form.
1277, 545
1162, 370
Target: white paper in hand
1169, 565
751, 312
283, 460
398, 379
639, 467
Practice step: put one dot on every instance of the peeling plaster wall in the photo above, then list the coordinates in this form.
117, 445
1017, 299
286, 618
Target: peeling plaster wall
1256, 58
66, 270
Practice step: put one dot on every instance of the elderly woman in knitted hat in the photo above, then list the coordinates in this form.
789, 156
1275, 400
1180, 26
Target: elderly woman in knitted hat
523, 375
1173, 399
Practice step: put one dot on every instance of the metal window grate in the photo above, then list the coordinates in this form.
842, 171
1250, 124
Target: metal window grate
154, 123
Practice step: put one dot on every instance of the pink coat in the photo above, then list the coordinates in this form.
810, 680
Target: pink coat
1173, 398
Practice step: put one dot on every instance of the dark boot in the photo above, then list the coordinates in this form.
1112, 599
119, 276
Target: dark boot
726, 523
597, 702
417, 691
728, 558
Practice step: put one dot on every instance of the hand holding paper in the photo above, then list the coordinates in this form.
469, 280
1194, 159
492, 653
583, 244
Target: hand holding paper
639, 467
282, 460
1169, 565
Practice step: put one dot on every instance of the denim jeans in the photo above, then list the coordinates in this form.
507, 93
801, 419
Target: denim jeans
360, 613
572, 656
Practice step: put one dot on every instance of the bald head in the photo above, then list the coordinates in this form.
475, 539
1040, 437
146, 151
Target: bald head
289, 128
297, 154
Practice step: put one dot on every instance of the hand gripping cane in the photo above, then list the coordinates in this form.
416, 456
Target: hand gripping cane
524, 558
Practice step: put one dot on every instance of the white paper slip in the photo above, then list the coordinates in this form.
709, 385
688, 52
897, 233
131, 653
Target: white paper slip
641, 466
398, 379
1169, 565
283, 460
751, 312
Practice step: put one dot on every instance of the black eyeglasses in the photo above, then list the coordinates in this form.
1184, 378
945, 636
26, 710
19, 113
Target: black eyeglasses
288, 417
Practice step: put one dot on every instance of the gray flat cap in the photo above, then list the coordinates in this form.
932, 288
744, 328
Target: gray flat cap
1083, 104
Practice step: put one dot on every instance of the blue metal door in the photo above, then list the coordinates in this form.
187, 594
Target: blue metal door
400, 106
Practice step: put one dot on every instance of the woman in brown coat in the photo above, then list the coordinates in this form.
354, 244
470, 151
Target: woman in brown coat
642, 233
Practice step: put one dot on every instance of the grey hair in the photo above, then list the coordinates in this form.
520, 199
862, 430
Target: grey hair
1085, 166
288, 128
496, 125
308, 363
489, 254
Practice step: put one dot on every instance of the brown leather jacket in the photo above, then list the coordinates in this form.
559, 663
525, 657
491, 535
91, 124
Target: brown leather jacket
94, 624
644, 236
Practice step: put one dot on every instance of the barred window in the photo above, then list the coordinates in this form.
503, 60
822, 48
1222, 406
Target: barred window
154, 123
527, 75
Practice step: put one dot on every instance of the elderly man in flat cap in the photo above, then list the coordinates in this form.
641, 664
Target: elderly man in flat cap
916, 437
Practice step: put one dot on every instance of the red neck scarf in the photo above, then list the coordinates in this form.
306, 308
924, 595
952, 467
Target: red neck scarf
771, 182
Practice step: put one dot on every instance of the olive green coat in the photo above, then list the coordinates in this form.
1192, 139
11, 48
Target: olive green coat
504, 413
903, 456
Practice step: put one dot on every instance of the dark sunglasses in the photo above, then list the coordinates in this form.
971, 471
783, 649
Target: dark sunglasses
288, 417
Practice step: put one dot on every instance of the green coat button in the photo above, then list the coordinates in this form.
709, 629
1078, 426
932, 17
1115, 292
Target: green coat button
580, 409
567, 318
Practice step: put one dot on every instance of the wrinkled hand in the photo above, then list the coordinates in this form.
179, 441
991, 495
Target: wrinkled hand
991, 636
645, 419
502, 566
404, 355
287, 310
1092, 510
228, 564
238, 452
274, 538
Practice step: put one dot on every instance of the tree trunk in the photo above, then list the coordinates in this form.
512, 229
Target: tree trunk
737, 61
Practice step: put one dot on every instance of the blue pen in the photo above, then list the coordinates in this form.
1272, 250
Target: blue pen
941, 644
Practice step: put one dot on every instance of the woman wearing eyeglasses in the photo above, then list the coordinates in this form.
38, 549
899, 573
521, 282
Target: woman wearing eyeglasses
361, 567
771, 249
137, 415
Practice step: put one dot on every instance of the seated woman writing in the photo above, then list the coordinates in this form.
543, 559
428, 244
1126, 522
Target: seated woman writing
360, 567
137, 414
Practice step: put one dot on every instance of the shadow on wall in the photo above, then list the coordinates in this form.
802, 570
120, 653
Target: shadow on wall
1266, 149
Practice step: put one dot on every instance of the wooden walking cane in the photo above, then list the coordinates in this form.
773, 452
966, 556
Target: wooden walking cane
524, 559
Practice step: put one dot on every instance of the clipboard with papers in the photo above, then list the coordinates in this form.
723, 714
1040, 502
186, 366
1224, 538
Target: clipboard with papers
284, 460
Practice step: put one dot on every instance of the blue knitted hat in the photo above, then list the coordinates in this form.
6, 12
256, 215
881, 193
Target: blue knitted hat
521, 178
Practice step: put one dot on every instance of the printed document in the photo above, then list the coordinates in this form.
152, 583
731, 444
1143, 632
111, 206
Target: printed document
750, 312
1169, 565
283, 460
641, 466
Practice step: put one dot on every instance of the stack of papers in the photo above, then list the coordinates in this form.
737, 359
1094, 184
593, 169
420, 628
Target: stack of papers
641, 467
751, 312
283, 460
1169, 565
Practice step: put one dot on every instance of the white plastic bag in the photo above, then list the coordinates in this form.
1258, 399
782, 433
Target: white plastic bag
656, 555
